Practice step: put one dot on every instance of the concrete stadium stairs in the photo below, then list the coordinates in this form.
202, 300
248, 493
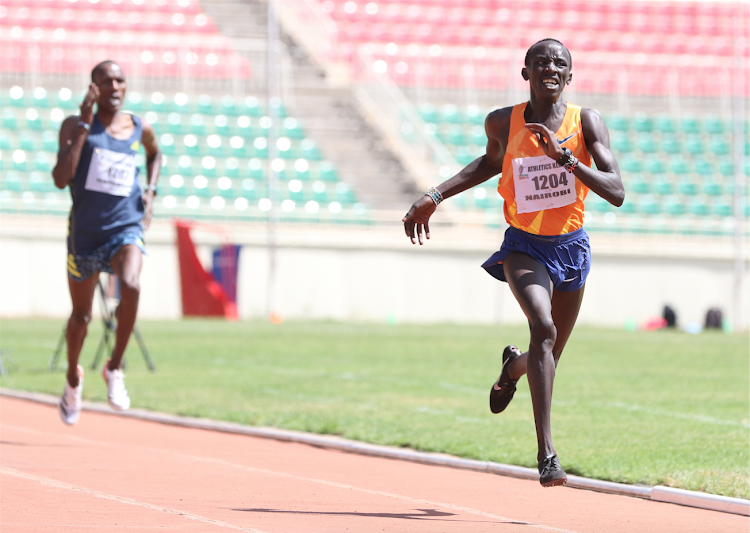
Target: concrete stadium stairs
329, 115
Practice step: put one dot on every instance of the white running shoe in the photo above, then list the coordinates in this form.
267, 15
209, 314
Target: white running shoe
116, 394
70, 402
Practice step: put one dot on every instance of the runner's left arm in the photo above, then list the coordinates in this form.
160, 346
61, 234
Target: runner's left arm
153, 168
605, 179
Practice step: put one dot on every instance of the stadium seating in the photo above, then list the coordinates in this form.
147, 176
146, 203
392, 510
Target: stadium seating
214, 162
435, 43
154, 38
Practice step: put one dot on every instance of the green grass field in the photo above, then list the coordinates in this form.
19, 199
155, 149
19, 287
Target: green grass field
659, 407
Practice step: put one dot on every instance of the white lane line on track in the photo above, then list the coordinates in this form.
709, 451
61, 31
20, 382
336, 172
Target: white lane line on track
97, 494
335, 484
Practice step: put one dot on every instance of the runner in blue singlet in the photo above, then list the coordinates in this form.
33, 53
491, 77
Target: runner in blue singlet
109, 214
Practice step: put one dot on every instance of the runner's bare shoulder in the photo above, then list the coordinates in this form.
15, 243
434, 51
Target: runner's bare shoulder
497, 123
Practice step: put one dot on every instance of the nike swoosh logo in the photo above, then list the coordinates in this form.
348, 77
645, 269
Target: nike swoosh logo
566, 138
571, 279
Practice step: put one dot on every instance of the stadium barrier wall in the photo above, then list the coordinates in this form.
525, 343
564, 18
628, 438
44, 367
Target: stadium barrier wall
376, 275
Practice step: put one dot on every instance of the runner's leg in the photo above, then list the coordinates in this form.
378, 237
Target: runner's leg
532, 287
127, 264
82, 298
565, 307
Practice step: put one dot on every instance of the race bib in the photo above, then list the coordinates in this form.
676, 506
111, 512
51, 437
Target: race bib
111, 172
541, 183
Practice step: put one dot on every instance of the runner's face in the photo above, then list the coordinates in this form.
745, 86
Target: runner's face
112, 85
548, 70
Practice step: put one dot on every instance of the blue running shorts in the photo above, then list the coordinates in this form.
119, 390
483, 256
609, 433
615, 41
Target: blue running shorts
566, 257
81, 267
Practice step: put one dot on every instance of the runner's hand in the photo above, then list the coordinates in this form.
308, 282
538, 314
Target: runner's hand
148, 209
547, 139
419, 217
87, 106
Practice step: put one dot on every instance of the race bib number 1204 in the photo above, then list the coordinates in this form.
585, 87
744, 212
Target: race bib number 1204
111, 172
541, 183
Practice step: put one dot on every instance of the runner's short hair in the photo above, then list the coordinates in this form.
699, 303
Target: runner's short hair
100, 66
528, 52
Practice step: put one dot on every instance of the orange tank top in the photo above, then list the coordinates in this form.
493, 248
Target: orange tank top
540, 196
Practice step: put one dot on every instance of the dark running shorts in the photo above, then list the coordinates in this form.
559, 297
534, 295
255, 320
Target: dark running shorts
81, 267
567, 257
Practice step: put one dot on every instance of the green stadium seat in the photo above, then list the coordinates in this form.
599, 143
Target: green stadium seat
693, 144
302, 169
185, 165
260, 147
197, 125
278, 107
221, 125
699, 206
180, 103
449, 113
711, 187
674, 206
252, 107
5, 141
17, 97
43, 162
40, 99
670, 144
65, 99
679, 165
245, 126
638, 185
723, 208
33, 120
157, 102
688, 188
174, 123
628, 207
477, 137
50, 141
428, 113
664, 124
37, 183
456, 135
248, 190
228, 107
13, 182
27, 141
621, 142
292, 129
344, 193
726, 167
320, 194
617, 123
475, 116
20, 158
714, 125
327, 172
631, 164
718, 145
208, 166
703, 166
256, 170
662, 186
205, 105
9, 119
190, 145
166, 144
654, 165
231, 167
646, 143
134, 102
648, 206
599, 204
689, 124
642, 123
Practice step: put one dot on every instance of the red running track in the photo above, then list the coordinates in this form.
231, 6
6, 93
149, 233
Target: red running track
116, 474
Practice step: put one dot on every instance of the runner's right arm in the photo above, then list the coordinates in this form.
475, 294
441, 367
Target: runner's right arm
73, 136
496, 126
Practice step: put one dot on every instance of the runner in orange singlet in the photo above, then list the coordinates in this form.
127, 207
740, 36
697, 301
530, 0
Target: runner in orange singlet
545, 257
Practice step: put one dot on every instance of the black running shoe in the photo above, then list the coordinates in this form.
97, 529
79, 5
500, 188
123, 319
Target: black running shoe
502, 391
551, 473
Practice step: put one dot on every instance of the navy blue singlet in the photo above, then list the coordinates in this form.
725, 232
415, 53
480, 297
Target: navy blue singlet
107, 196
